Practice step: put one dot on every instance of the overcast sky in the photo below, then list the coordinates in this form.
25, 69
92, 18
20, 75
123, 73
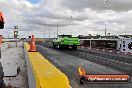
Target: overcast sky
77, 17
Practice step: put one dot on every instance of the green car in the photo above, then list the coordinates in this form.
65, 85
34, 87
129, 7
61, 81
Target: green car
65, 41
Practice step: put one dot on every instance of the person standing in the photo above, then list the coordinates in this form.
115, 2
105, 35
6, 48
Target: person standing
2, 22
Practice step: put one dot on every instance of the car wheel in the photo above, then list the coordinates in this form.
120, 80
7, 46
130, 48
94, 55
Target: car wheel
74, 47
54, 46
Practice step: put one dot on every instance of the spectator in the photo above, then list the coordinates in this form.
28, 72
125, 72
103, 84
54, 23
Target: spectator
2, 22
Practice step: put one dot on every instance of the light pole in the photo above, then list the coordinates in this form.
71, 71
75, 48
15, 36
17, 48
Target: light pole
57, 29
49, 30
105, 2
106, 29
71, 22
123, 28
54, 34
44, 32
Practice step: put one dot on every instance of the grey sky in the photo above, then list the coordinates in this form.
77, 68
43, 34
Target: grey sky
73, 16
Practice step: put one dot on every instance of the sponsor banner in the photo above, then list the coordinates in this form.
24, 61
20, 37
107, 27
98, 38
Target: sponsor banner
107, 78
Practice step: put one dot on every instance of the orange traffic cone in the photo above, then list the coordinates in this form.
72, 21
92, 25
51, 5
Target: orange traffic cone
32, 45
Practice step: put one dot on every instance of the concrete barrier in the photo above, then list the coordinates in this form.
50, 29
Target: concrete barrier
41, 73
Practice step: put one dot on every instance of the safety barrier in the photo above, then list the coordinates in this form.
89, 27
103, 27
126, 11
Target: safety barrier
41, 73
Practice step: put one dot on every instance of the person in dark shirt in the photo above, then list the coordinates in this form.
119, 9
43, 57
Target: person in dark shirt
2, 22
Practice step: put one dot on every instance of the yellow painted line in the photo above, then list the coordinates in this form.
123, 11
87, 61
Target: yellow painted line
46, 74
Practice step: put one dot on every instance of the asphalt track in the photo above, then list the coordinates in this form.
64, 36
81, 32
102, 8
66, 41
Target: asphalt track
69, 64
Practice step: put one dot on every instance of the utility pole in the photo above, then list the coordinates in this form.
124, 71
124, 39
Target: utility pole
57, 30
49, 30
70, 20
105, 2
44, 33
105, 30
54, 34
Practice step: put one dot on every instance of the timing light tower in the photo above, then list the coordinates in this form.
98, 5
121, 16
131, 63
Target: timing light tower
15, 31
